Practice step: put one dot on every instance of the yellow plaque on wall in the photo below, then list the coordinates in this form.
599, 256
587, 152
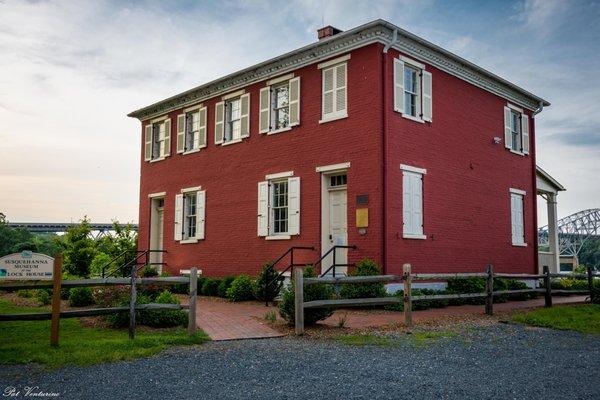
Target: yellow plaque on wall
362, 217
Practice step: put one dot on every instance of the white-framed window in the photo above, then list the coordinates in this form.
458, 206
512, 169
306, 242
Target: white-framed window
280, 105
279, 206
412, 202
412, 90
191, 130
232, 119
516, 130
190, 207
157, 140
334, 92
517, 217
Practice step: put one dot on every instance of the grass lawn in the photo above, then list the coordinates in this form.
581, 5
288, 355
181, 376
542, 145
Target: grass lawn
418, 339
583, 318
29, 341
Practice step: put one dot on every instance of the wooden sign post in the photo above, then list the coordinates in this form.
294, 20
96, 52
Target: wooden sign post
56, 277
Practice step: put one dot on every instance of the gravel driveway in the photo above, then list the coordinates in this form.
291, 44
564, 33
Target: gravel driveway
499, 362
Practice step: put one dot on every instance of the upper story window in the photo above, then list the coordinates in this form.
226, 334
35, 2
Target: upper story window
232, 119
280, 104
412, 90
189, 215
191, 130
516, 130
279, 206
334, 89
157, 140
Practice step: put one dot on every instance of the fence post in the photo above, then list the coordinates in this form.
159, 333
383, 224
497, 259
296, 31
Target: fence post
590, 278
192, 303
55, 322
407, 295
132, 303
489, 290
548, 285
299, 300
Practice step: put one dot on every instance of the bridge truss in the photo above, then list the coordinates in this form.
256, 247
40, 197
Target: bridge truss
574, 231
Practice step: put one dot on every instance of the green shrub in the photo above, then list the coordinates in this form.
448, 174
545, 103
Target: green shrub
43, 296
225, 285
25, 293
100, 260
268, 283
211, 287
81, 297
365, 267
595, 294
65, 293
148, 271
151, 291
121, 320
164, 318
111, 296
201, 280
241, 289
311, 292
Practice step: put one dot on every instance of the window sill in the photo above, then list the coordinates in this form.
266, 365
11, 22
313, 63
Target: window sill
188, 241
278, 237
289, 128
413, 236
231, 142
157, 159
416, 119
190, 151
520, 244
519, 153
330, 118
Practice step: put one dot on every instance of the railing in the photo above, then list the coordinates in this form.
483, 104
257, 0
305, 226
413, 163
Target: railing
123, 268
334, 264
290, 266
407, 278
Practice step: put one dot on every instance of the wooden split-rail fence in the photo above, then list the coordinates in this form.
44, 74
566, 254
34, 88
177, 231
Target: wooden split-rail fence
408, 278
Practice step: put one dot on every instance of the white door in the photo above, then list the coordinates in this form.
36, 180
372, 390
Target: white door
157, 233
338, 227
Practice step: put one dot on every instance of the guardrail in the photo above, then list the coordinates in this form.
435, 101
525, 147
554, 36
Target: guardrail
408, 277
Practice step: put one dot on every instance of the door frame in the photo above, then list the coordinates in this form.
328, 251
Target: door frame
326, 173
154, 257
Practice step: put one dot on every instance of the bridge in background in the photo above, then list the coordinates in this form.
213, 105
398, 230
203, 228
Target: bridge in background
61, 227
573, 231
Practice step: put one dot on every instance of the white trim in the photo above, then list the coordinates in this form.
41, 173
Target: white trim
187, 272
416, 119
231, 142
287, 128
160, 119
517, 109
333, 118
278, 237
519, 153
413, 236
158, 194
188, 241
280, 79
193, 108
278, 175
233, 95
412, 62
192, 151
517, 191
333, 167
520, 244
410, 168
157, 159
191, 189
333, 62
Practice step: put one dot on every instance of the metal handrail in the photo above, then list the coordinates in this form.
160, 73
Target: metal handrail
115, 259
135, 260
334, 264
290, 266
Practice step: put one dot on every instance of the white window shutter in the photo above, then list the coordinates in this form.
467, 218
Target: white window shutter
148, 142
245, 115
263, 208
407, 203
178, 217
219, 121
294, 206
294, 101
180, 133
417, 203
167, 150
398, 85
507, 130
340, 88
264, 120
427, 96
327, 107
202, 129
525, 133
200, 213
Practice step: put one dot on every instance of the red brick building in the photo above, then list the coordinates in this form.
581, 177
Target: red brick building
371, 137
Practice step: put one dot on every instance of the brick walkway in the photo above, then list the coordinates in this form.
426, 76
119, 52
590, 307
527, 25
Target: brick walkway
223, 320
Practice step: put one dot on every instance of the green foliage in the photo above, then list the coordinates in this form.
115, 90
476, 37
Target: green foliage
151, 291
164, 318
365, 267
120, 246
80, 297
572, 283
225, 285
43, 296
201, 280
589, 255
268, 283
148, 271
311, 292
595, 294
241, 289
211, 287
99, 262
583, 318
121, 320
79, 249
111, 296
25, 293
270, 316
19, 239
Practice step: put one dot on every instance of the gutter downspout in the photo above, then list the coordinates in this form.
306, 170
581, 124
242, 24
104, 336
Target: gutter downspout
384, 95
536, 250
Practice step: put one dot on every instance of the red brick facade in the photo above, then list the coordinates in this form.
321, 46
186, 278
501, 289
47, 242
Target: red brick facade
466, 189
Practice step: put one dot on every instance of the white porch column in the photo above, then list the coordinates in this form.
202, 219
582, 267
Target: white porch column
552, 230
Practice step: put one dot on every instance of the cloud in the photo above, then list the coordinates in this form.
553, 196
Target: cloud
542, 16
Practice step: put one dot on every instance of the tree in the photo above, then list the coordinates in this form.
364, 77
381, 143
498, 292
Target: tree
79, 249
589, 255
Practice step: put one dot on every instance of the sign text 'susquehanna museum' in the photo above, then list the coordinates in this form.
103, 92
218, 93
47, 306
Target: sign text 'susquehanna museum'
26, 266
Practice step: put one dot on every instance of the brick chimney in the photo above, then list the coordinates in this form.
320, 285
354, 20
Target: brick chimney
327, 31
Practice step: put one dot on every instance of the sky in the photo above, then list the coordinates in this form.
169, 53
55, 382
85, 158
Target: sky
70, 71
